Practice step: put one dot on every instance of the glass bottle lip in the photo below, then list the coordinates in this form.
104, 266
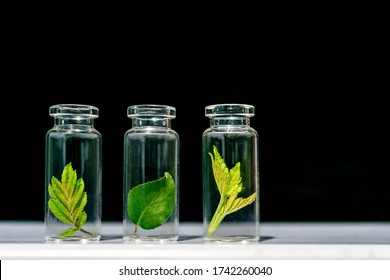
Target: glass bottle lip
151, 110
74, 111
229, 109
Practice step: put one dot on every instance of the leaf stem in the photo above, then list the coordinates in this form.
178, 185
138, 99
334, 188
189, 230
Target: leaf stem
219, 215
135, 230
86, 232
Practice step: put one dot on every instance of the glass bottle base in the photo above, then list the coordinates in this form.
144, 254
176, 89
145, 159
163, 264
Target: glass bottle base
150, 239
231, 239
78, 239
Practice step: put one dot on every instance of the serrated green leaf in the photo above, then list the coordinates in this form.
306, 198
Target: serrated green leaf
56, 193
240, 202
68, 232
77, 194
81, 220
68, 179
229, 183
68, 199
59, 211
79, 206
150, 204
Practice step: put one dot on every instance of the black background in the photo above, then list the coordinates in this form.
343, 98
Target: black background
320, 110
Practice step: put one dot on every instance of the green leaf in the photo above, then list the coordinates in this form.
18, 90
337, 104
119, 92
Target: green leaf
59, 210
68, 179
240, 202
68, 232
68, 199
229, 183
81, 220
56, 193
79, 206
150, 204
77, 193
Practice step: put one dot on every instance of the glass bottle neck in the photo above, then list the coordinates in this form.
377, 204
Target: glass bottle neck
74, 121
151, 121
229, 121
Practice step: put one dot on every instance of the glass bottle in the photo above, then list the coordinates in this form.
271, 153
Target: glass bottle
230, 175
73, 175
151, 176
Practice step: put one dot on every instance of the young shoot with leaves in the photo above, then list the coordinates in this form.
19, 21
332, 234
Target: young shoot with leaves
67, 201
229, 183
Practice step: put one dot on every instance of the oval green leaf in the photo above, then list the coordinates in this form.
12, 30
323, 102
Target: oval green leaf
150, 204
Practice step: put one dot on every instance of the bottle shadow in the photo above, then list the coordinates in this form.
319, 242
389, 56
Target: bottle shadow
265, 238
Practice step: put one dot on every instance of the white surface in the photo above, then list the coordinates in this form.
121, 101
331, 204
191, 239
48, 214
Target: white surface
25, 240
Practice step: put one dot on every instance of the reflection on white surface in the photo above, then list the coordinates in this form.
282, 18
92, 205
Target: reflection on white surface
25, 240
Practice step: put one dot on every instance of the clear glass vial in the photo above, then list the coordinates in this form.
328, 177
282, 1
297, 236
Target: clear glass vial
73, 175
151, 176
230, 175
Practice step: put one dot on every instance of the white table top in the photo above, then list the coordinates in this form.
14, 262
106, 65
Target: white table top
363, 240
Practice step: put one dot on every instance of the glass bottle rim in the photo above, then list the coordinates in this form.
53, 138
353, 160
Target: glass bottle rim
151, 110
74, 111
229, 109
